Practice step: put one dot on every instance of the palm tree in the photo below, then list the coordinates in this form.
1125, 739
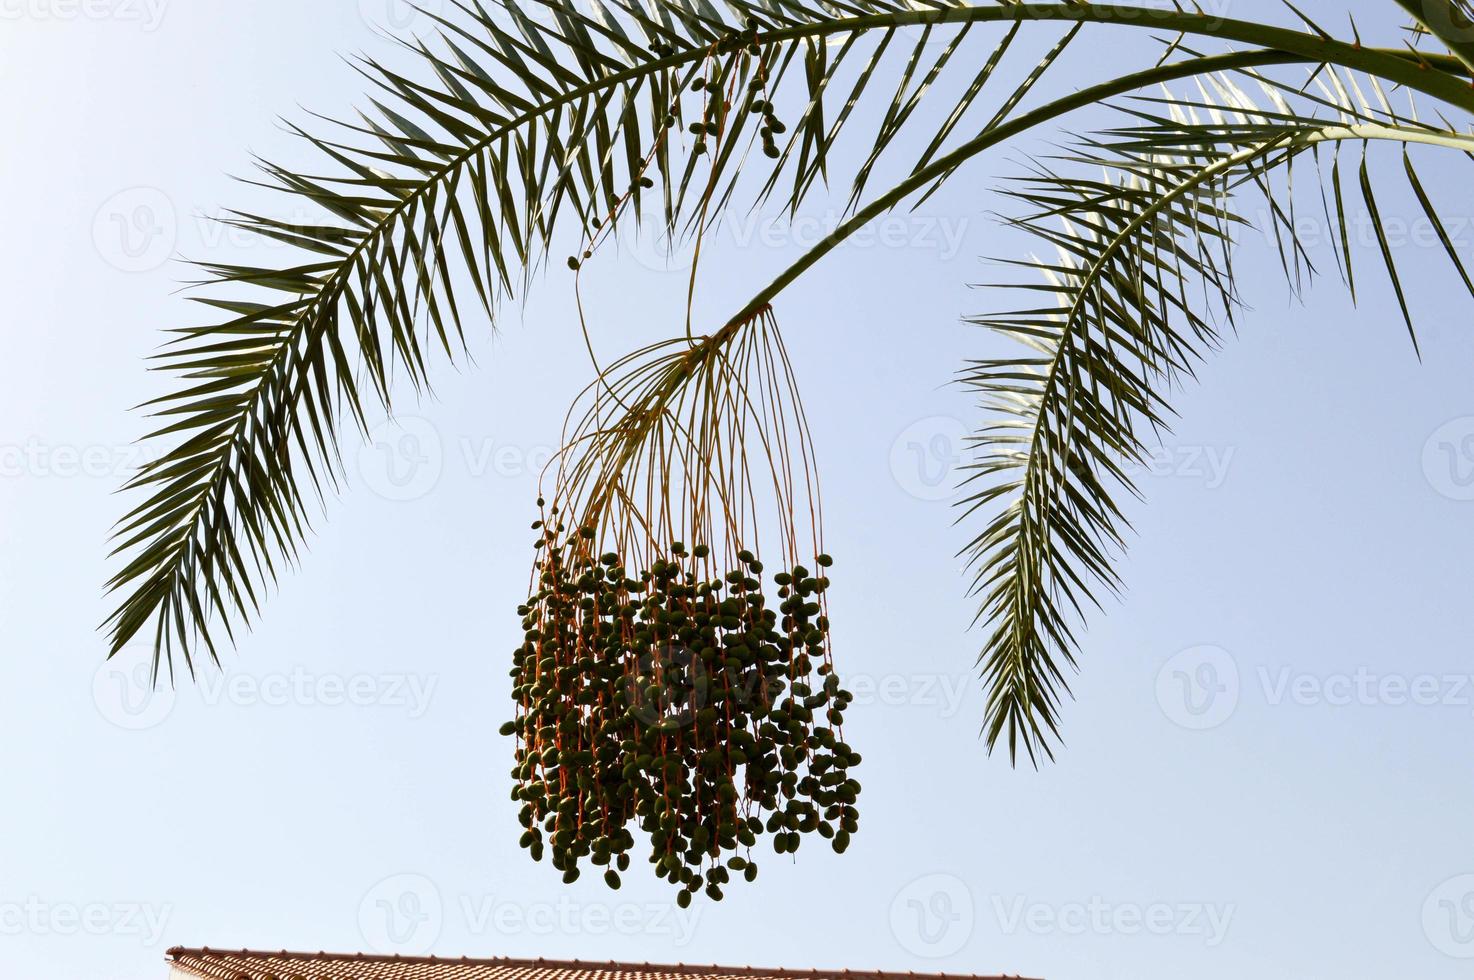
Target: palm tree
529, 121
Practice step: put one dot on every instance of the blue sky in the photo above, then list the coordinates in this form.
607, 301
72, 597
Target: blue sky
1267, 764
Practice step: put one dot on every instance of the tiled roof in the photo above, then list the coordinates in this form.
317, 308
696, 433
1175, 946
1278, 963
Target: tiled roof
218, 964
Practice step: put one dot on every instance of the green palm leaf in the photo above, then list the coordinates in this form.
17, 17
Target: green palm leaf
1142, 277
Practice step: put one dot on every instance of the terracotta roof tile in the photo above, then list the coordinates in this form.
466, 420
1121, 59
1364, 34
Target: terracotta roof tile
218, 964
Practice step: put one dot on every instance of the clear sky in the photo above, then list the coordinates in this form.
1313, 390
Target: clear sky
1267, 769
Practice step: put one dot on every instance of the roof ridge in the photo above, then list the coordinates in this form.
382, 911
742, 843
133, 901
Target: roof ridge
205, 952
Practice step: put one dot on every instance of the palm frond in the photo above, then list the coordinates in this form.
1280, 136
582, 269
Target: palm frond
525, 121
1138, 229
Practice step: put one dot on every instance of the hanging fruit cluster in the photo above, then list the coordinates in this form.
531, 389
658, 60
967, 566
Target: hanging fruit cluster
676, 698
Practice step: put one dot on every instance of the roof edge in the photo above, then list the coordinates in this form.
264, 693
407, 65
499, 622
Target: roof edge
176, 952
